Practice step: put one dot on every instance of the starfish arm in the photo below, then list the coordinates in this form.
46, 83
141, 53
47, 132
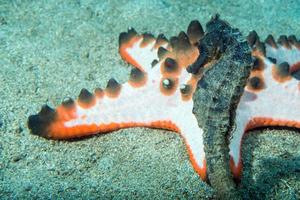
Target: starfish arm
271, 97
134, 107
144, 50
141, 51
103, 112
135, 103
243, 116
193, 137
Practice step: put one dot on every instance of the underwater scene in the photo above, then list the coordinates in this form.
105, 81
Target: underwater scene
138, 99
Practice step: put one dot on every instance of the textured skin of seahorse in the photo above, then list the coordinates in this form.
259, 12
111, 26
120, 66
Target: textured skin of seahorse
272, 94
218, 93
157, 95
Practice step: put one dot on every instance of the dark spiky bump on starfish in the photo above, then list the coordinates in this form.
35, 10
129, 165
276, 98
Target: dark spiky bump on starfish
183, 41
174, 42
252, 38
112, 88
258, 63
292, 40
261, 47
39, 123
154, 62
185, 89
161, 39
132, 32
147, 38
272, 60
123, 37
271, 41
68, 102
283, 69
162, 52
136, 75
195, 31
126, 36
283, 41
85, 97
256, 83
170, 65
168, 86
167, 83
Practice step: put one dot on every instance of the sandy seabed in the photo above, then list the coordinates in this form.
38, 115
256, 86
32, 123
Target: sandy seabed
51, 49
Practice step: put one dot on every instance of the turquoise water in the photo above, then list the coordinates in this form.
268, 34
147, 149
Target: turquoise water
52, 49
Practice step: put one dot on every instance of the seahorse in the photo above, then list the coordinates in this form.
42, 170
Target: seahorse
230, 103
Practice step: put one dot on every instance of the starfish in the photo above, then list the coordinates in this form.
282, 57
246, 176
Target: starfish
272, 94
158, 94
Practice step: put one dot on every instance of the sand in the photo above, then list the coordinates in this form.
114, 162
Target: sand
49, 50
